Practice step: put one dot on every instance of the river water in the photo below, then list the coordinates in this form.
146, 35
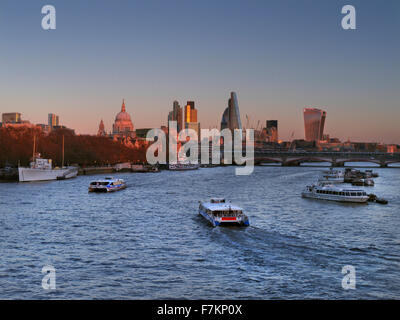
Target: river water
148, 242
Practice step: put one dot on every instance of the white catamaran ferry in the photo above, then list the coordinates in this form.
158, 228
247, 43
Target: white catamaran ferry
334, 193
219, 213
107, 184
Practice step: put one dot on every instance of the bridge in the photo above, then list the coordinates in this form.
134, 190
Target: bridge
337, 159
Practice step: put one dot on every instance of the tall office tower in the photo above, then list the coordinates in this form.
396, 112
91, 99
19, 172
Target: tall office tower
231, 115
190, 112
11, 117
314, 121
176, 115
53, 120
194, 126
272, 130
191, 118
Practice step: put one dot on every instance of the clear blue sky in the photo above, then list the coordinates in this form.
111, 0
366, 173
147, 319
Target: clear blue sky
279, 56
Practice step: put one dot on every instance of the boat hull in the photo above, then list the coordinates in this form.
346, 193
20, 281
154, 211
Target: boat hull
332, 180
36, 174
215, 222
106, 188
183, 167
335, 198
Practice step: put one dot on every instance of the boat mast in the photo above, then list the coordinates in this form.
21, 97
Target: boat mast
34, 147
62, 163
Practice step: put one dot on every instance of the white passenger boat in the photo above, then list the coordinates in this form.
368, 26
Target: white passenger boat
334, 193
219, 213
42, 170
332, 176
107, 184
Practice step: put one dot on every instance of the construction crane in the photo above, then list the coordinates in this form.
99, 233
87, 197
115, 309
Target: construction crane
257, 132
291, 140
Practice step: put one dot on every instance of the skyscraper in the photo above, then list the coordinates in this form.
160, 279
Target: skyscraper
190, 112
314, 121
53, 120
191, 118
272, 130
231, 115
176, 115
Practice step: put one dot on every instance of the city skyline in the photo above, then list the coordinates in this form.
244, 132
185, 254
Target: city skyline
252, 125
276, 67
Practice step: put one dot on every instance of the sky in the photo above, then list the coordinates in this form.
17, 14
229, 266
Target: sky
278, 56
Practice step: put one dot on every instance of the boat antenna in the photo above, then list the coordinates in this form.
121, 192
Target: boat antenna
62, 162
34, 147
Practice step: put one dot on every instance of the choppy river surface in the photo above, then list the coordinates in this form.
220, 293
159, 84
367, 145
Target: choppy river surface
148, 241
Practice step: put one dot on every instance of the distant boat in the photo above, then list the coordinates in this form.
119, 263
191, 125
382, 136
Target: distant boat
41, 169
332, 176
334, 193
220, 213
144, 168
370, 174
108, 184
183, 166
368, 182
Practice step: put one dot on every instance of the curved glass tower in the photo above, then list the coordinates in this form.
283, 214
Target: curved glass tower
231, 115
314, 121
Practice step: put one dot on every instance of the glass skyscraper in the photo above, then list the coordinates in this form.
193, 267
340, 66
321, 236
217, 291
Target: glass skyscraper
53, 120
231, 115
314, 121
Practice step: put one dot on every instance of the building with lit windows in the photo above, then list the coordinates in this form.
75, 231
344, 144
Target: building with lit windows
53, 120
11, 117
191, 118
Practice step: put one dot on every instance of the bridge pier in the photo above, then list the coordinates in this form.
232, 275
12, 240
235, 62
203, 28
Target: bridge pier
383, 164
335, 164
290, 164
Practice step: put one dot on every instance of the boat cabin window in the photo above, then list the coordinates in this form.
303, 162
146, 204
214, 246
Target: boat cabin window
217, 200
